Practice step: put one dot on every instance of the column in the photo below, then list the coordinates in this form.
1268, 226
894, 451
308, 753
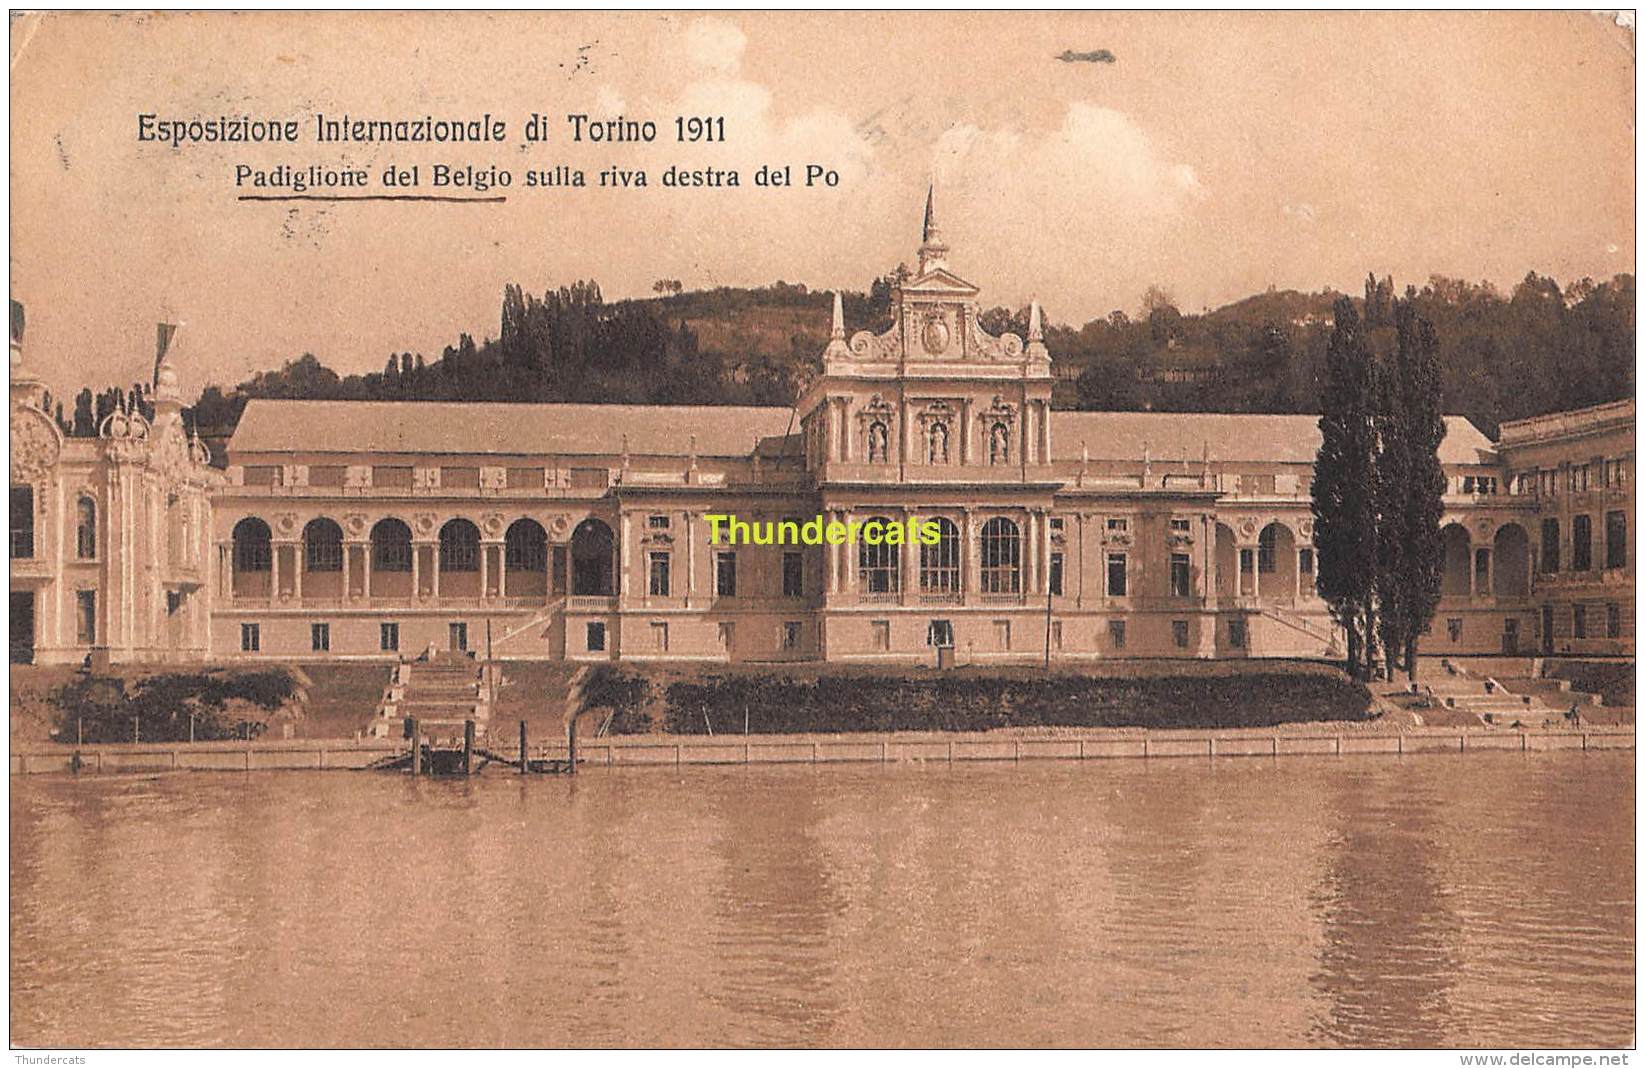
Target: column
348, 551
1030, 546
298, 563
417, 570
972, 557
965, 431
365, 572
1045, 432
848, 560
1079, 558
623, 576
847, 443
485, 570
690, 558
1208, 561
1296, 573
910, 561
1027, 433
274, 571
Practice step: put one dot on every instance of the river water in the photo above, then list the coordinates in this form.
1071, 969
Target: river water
1481, 900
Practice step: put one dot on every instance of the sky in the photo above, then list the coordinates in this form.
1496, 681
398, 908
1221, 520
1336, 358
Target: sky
1216, 155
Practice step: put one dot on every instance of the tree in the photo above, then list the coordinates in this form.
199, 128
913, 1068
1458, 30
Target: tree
1344, 489
1410, 487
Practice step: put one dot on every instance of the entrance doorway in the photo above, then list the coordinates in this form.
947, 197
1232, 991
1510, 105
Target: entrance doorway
22, 627
459, 638
1510, 637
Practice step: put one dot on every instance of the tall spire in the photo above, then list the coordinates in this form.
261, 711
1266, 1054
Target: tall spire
838, 331
933, 253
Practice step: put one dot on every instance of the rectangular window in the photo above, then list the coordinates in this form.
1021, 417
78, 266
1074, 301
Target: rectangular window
1180, 577
1305, 561
1482, 571
1453, 628
1236, 634
1056, 634
880, 633
1002, 634
1180, 526
793, 575
1118, 524
1116, 634
319, 637
659, 636
1613, 621
458, 634
595, 638
264, 475
938, 633
1616, 540
1179, 633
1579, 621
727, 634
657, 521
1055, 578
1057, 524
1550, 545
85, 530
22, 522
460, 478
388, 637
174, 602
1116, 575
725, 574
327, 474
791, 634
251, 638
85, 617
395, 476
1582, 556
659, 585
524, 479
590, 478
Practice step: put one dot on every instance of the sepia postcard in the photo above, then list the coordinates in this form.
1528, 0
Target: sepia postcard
833, 529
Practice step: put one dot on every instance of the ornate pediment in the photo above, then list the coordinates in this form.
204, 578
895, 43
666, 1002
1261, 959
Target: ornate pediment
36, 443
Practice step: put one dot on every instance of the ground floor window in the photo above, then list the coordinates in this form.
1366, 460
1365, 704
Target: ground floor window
1056, 634
1579, 621
793, 575
791, 635
1002, 634
1056, 574
1613, 621
937, 633
1236, 634
459, 636
659, 636
1305, 561
1179, 633
659, 575
728, 634
251, 638
1179, 575
725, 575
596, 638
1116, 634
85, 617
881, 632
1453, 628
388, 637
1116, 575
319, 637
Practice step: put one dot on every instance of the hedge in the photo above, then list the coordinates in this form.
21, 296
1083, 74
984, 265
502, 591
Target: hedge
785, 704
104, 708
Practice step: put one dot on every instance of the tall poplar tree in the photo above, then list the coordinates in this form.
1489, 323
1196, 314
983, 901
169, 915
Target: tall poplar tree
1344, 491
1410, 487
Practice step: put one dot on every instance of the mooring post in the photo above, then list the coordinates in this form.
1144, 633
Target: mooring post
525, 762
468, 747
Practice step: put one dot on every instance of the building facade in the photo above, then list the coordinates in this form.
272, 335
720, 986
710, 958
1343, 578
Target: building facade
376, 530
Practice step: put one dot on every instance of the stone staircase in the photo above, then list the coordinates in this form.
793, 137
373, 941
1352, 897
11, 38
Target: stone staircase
445, 688
1327, 637
1473, 687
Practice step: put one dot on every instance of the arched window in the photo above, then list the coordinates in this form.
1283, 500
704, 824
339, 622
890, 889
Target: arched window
1001, 557
593, 552
459, 547
323, 546
525, 547
85, 529
999, 444
877, 564
940, 564
879, 442
1266, 542
251, 546
391, 546
938, 453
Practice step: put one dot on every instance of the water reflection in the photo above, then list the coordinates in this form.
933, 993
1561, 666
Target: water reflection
1485, 900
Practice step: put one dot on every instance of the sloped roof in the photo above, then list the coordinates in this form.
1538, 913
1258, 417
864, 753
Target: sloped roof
277, 426
1169, 436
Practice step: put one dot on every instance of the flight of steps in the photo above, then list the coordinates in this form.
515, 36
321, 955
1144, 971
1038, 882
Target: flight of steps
447, 687
1472, 687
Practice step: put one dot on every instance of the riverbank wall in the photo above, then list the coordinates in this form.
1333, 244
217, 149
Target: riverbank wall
819, 750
